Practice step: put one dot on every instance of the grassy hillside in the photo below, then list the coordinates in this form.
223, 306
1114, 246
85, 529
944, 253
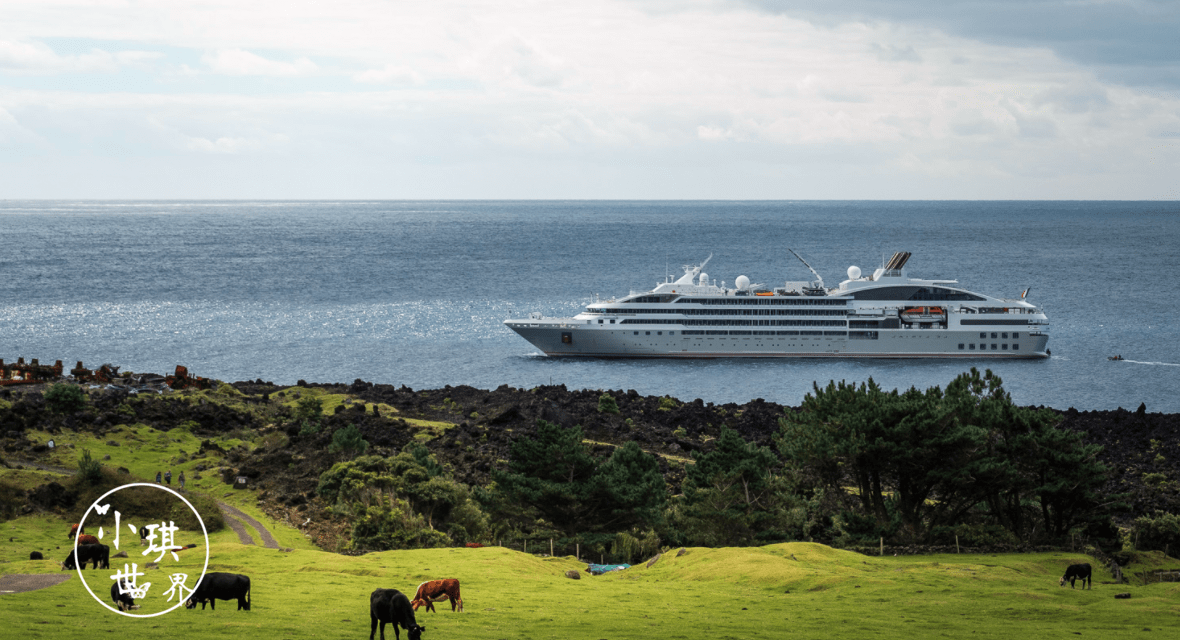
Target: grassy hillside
789, 590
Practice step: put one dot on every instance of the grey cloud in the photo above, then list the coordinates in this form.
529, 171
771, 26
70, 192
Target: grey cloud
1132, 42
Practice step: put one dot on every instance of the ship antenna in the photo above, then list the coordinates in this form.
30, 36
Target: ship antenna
813, 272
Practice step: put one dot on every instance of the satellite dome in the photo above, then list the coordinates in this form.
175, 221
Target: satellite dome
853, 272
704, 279
742, 282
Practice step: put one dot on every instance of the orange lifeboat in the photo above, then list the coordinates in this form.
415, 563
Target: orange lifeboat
924, 314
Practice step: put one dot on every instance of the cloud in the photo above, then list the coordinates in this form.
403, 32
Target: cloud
389, 74
35, 58
238, 62
1129, 41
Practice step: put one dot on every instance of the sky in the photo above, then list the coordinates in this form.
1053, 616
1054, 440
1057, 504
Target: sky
594, 99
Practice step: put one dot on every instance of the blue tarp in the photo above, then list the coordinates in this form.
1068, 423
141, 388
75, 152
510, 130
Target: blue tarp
599, 569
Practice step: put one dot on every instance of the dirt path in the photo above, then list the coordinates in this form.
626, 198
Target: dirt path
233, 513
234, 517
22, 582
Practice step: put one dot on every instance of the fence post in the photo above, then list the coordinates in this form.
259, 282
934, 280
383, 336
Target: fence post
578, 551
526, 546
550, 547
882, 552
957, 544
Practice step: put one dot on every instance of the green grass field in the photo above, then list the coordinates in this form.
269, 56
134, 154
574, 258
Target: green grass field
798, 590
795, 590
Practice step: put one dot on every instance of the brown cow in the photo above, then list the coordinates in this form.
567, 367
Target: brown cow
436, 591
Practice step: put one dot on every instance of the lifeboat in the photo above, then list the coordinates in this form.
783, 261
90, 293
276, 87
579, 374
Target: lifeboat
924, 314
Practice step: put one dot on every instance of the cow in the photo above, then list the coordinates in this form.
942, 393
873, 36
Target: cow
98, 554
221, 586
123, 600
36, 555
390, 606
86, 538
436, 591
75, 530
1075, 572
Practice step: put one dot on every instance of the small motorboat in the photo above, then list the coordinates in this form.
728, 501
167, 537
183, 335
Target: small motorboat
1118, 357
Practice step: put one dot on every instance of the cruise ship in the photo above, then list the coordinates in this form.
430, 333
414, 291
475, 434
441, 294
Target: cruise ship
883, 315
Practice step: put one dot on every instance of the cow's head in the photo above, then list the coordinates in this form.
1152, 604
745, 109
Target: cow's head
190, 604
415, 632
1062, 582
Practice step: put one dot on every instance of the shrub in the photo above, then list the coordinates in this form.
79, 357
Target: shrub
667, 404
607, 404
65, 398
349, 441
89, 469
1158, 532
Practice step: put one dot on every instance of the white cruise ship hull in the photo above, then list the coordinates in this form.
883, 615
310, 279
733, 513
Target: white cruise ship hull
589, 341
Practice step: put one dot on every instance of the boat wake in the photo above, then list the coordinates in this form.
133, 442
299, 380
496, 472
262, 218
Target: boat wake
1161, 364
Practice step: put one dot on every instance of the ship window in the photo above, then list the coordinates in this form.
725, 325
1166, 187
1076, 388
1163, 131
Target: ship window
993, 338
567, 337
1004, 336
973, 346
1015, 336
636, 332
671, 333
1005, 346
983, 335
1015, 347
659, 333
962, 346
647, 333
994, 347
612, 321
600, 321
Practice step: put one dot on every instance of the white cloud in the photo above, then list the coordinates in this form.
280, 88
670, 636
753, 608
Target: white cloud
663, 93
238, 62
35, 58
389, 74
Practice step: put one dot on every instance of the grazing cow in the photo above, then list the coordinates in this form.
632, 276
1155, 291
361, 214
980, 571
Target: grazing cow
221, 586
1075, 572
74, 530
86, 538
98, 554
437, 591
390, 606
36, 555
122, 600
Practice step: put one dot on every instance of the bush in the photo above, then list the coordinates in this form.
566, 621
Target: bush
65, 398
607, 404
89, 469
1157, 533
348, 440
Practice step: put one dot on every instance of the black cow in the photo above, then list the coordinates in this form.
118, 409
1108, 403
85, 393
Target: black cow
1075, 572
36, 555
221, 586
122, 600
390, 606
98, 554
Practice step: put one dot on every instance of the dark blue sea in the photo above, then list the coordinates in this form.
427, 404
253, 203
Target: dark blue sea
414, 293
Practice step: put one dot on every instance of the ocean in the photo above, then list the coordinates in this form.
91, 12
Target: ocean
414, 292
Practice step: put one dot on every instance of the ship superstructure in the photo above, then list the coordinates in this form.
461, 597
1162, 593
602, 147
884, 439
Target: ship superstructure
886, 314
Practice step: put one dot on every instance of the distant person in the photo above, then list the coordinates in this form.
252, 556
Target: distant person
182, 480
168, 477
158, 478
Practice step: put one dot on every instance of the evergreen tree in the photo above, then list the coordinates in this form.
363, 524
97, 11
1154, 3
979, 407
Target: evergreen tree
553, 473
732, 495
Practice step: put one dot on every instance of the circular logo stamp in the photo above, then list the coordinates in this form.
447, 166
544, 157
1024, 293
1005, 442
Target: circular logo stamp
127, 584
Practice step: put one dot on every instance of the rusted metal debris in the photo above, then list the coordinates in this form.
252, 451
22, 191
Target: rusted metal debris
107, 374
182, 380
31, 373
